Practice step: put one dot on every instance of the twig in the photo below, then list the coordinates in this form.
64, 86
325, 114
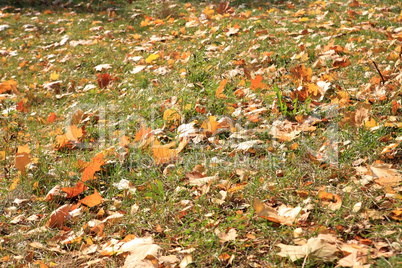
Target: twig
378, 70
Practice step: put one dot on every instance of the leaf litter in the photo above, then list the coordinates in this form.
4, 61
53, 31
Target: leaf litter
285, 145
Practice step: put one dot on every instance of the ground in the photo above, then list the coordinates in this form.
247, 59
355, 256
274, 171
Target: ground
201, 134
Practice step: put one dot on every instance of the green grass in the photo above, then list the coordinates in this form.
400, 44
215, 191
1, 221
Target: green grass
177, 215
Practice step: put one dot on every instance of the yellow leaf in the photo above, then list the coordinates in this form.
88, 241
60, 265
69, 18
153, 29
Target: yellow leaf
54, 76
171, 115
23, 149
8, 86
370, 123
2, 155
313, 89
14, 184
151, 58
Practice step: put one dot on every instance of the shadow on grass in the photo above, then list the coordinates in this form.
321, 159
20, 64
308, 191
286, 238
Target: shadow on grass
80, 6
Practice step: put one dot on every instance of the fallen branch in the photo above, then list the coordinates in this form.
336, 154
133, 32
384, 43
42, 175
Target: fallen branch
378, 70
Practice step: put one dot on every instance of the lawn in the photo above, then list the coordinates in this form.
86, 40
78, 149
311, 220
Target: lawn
201, 134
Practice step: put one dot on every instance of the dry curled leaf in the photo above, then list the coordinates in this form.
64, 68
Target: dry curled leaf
59, 216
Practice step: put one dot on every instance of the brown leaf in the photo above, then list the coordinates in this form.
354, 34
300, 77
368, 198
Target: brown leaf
282, 215
104, 80
59, 216
55, 191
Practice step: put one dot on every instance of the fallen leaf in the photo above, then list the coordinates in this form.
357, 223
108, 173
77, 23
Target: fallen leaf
219, 91
333, 201
94, 165
139, 249
322, 247
76, 190
92, 200
59, 216
230, 235
188, 259
55, 191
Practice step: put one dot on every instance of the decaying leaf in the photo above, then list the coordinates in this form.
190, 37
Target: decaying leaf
139, 249
59, 216
322, 247
282, 215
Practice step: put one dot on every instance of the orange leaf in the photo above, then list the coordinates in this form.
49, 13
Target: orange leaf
342, 62
92, 200
104, 80
55, 191
62, 142
163, 155
94, 166
301, 72
9, 86
58, 217
256, 83
21, 161
219, 91
333, 201
51, 118
76, 190
395, 107
21, 107
23, 149
210, 124
142, 133
124, 141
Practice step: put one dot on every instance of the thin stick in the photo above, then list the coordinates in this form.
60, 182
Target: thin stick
378, 70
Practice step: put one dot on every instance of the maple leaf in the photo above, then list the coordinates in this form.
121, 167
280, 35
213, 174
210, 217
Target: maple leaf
163, 154
8, 87
302, 73
76, 190
94, 165
257, 83
51, 118
22, 158
283, 215
74, 133
92, 200
224, 8
171, 116
230, 235
142, 133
